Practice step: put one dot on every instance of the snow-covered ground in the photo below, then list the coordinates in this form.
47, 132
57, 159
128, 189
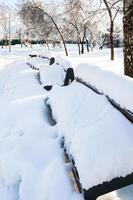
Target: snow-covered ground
31, 159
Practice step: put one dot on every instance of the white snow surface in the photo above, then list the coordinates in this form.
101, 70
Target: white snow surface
31, 160
52, 75
65, 64
118, 87
43, 52
38, 62
97, 135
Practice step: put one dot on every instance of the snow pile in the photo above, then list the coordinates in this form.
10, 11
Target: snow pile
38, 62
31, 160
44, 53
52, 75
97, 135
116, 86
63, 62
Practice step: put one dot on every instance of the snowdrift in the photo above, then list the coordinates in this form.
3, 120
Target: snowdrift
37, 62
52, 75
65, 64
98, 137
31, 160
116, 86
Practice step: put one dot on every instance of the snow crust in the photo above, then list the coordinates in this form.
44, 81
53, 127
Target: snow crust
117, 87
97, 135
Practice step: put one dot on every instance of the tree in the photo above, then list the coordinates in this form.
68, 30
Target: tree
83, 21
5, 22
113, 7
36, 17
128, 37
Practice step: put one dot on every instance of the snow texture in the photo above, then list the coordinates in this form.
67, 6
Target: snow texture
65, 64
97, 135
117, 87
38, 62
52, 75
31, 159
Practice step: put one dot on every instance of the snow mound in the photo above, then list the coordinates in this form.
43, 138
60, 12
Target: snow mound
116, 86
97, 135
38, 62
31, 160
52, 75
63, 62
44, 53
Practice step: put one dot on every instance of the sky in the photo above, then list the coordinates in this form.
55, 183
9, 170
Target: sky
10, 2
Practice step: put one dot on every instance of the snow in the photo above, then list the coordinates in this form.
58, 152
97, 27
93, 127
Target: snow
44, 53
95, 133
38, 62
52, 75
31, 159
63, 62
116, 86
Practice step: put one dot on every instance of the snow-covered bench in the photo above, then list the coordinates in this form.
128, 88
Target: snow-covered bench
96, 136
117, 88
37, 62
43, 54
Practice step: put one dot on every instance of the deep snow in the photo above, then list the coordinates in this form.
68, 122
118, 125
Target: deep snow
31, 160
95, 133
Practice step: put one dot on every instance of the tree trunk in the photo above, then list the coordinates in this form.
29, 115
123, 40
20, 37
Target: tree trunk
57, 28
87, 45
78, 42
128, 37
83, 40
112, 39
47, 44
20, 40
2, 45
6, 41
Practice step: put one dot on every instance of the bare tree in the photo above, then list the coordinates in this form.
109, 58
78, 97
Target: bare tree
83, 21
5, 23
35, 13
113, 7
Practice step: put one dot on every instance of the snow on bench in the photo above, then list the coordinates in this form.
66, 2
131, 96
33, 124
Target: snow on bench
63, 62
115, 86
52, 75
58, 73
37, 62
44, 54
31, 161
41, 53
97, 136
